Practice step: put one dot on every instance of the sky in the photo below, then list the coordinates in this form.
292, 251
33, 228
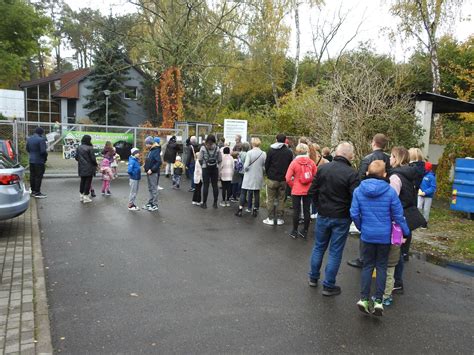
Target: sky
372, 16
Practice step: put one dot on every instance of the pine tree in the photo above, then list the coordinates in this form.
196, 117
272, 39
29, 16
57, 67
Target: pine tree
109, 73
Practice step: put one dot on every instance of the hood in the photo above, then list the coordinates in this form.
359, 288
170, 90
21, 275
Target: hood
277, 145
374, 187
302, 159
155, 146
409, 172
105, 162
212, 147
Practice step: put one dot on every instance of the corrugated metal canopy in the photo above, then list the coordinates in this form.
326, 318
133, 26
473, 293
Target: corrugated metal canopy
445, 104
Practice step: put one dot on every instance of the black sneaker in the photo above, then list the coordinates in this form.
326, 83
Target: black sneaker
303, 234
204, 205
398, 289
39, 195
93, 193
239, 213
331, 291
294, 234
214, 205
255, 212
313, 282
355, 263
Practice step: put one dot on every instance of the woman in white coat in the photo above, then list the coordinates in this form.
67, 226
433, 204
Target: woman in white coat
253, 176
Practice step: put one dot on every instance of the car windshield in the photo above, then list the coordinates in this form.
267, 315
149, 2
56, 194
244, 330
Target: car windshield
6, 163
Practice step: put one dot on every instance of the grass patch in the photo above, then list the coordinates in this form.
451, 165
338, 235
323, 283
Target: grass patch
450, 234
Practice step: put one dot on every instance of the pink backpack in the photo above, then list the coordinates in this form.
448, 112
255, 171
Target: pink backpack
397, 234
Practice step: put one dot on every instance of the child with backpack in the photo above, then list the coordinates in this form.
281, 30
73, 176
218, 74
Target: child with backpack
178, 169
299, 177
375, 206
427, 191
134, 173
107, 176
226, 170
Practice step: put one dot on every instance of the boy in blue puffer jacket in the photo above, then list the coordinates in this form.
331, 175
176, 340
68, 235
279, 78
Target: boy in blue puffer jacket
134, 172
427, 191
375, 205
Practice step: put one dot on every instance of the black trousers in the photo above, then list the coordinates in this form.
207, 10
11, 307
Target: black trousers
85, 187
210, 175
197, 192
296, 201
36, 176
226, 190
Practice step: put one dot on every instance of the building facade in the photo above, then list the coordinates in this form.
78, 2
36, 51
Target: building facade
62, 97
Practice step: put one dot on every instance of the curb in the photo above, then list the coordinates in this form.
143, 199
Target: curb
43, 332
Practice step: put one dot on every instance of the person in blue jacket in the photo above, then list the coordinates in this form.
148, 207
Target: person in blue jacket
36, 148
427, 191
134, 173
152, 170
375, 205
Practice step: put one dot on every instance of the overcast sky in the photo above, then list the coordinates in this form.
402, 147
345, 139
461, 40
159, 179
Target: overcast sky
372, 16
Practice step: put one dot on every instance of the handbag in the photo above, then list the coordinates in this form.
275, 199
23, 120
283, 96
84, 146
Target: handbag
397, 234
414, 218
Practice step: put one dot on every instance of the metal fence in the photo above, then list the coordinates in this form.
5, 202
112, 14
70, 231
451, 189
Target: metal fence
62, 139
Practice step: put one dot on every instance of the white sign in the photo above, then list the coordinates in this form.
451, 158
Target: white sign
234, 127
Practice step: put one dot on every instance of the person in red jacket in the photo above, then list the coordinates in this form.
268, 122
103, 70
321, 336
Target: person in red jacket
299, 177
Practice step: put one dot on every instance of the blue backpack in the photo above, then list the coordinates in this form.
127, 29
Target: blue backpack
239, 165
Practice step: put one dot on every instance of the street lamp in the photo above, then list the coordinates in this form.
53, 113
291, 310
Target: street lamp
107, 94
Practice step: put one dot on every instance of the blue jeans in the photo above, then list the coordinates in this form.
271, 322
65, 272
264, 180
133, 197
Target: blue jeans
374, 256
190, 174
330, 232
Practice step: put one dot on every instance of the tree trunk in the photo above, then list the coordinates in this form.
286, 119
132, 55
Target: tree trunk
297, 56
436, 87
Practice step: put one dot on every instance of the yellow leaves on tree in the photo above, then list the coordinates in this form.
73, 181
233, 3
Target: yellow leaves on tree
171, 96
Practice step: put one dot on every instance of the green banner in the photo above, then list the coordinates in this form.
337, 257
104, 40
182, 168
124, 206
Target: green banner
72, 139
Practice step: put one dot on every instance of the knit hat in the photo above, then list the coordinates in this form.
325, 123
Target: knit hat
135, 151
428, 166
157, 140
149, 140
39, 131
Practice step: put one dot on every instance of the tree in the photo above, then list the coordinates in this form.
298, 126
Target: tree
109, 73
20, 31
422, 19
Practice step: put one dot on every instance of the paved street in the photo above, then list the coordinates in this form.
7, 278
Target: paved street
187, 280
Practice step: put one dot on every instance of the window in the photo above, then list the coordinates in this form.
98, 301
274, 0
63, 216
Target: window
32, 105
44, 91
32, 116
55, 107
131, 93
32, 93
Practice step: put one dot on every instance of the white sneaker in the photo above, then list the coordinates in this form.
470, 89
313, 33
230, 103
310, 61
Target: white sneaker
222, 204
314, 216
248, 210
160, 188
280, 221
227, 204
81, 199
86, 199
134, 208
268, 221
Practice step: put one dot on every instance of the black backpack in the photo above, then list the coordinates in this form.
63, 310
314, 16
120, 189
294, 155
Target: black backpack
211, 160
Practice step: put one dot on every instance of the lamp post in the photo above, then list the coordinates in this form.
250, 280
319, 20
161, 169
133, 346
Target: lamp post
107, 94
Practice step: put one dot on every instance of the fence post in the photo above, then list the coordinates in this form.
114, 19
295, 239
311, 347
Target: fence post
15, 137
134, 136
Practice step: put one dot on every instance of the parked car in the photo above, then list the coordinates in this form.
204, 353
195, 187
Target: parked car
6, 147
14, 197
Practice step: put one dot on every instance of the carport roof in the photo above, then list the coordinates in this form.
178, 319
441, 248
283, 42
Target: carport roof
445, 104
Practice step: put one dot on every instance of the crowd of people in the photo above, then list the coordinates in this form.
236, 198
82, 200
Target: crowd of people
383, 198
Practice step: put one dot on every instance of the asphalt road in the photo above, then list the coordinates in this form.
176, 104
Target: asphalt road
187, 280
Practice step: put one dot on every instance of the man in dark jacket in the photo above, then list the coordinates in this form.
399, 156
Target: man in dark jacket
36, 148
171, 150
332, 190
152, 170
278, 159
379, 142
